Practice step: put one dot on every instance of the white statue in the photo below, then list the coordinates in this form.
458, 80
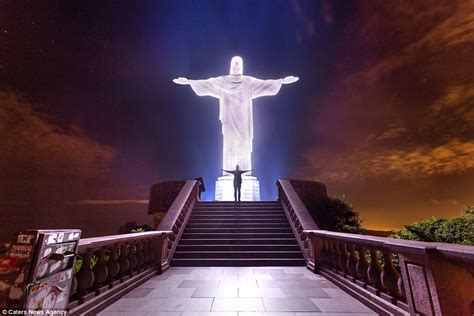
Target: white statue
235, 93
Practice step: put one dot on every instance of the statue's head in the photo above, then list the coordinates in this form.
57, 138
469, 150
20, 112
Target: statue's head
236, 66
237, 167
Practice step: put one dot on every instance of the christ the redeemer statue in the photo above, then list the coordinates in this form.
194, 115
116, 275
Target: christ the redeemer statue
235, 93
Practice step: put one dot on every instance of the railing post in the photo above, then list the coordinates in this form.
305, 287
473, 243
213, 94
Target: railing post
362, 264
389, 274
374, 269
85, 277
113, 266
352, 261
100, 269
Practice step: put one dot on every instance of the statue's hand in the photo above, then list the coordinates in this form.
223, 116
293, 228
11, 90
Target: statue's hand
181, 80
290, 79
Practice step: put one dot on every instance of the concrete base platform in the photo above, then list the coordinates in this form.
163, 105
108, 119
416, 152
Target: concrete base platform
250, 190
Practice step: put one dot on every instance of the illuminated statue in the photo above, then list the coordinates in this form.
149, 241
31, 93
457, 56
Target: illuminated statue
235, 93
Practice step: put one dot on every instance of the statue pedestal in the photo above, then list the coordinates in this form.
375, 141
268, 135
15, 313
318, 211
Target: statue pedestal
250, 190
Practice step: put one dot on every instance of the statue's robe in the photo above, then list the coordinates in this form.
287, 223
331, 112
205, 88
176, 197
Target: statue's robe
235, 94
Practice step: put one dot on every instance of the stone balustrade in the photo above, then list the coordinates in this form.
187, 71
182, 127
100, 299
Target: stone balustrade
298, 216
397, 276
178, 214
113, 265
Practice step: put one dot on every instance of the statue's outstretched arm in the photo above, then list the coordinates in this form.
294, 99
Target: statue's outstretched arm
290, 79
181, 80
204, 87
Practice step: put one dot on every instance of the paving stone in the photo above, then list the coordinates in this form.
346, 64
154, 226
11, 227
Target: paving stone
244, 277
185, 305
304, 292
162, 283
209, 314
216, 292
344, 305
287, 283
260, 292
289, 305
239, 284
135, 305
139, 292
177, 292
238, 304
198, 283
266, 314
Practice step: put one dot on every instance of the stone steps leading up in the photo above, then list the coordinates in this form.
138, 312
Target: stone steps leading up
238, 234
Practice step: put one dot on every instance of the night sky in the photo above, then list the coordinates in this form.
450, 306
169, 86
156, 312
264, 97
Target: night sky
383, 112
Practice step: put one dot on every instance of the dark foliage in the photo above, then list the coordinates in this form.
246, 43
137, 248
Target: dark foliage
457, 230
334, 214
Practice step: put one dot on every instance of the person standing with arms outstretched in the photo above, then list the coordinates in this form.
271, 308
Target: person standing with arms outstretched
237, 181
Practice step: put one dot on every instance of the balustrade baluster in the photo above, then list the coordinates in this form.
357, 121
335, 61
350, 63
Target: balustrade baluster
123, 260
139, 255
332, 247
389, 274
146, 252
352, 261
100, 269
113, 266
374, 270
132, 257
343, 256
362, 264
85, 277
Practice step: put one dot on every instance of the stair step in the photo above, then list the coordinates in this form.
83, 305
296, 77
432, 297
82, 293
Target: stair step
239, 230
249, 247
238, 254
238, 220
237, 224
237, 241
237, 235
254, 262
230, 216
241, 208
232, 211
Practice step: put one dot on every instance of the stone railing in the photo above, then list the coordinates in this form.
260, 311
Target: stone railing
298, 216
114, 265
178, 214
395, 276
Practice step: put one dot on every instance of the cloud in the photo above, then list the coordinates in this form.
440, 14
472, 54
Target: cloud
35, 147
455, 27
444, 202
452, 113
393, 132
106, 202
450, 158
401, 164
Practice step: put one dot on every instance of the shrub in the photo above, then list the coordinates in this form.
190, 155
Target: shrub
457, 230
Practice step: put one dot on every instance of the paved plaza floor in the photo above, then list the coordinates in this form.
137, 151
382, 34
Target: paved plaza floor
237, 291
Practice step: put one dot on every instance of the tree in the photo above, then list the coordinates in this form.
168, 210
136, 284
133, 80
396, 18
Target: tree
334, 214
457, 230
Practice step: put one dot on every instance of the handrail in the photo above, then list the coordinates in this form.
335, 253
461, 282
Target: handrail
298, 215
113, 265
433, 278
178, 214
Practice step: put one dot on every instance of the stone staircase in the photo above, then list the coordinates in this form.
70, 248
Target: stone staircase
238, 234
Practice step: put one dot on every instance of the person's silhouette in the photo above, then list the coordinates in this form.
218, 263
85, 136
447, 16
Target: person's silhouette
237, 180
